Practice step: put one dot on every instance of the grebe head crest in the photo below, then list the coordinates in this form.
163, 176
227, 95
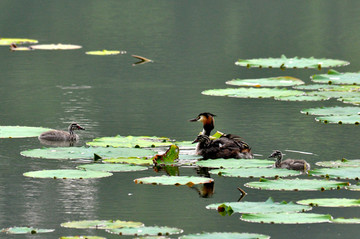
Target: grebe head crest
276, 154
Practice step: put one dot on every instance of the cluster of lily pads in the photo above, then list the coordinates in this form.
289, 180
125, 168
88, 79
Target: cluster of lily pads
342, 86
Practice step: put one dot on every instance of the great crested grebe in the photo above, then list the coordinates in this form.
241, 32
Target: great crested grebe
236, 141
59, 135
220, 148
295, 164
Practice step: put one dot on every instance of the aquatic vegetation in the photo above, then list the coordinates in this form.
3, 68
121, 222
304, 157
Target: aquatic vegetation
58, 46
338, 173
235, 163
101, 224
21, 131
169, 157
255, 172
302, 98
225, 235
67, 174
287, 218
82, 237
267, 82
339, 119
331, 202
130, 142
146, 231
339, 163
105, 52
25, 230
335, 77
335, 110
130, 160
253, 92
351, 100
106, 167
173, 180
9, 41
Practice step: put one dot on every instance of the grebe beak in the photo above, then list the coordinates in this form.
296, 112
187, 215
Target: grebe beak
194, 120
80, 128
195, 141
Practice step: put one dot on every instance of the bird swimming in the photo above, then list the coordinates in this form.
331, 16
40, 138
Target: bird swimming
59, 135
294, 164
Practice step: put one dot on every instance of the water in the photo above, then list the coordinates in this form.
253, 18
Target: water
194, 45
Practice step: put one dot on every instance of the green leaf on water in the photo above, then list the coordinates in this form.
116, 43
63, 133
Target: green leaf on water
130, 160
334, 94
339, 119
131, 141
146, 231
85, 152
252, 92
267, 82
331, 202
344, 88
337, 173
342, 220
82, 237
173, 180
235, 163
302, 98
9, 41
335, 77
339, 163
25, 230
283, 62
313, 87
354, 187
268, 206
255, 172
21, 131
287, 218
58, 46
335, 110
225, 235
67, 174
168, 157
112, 167
351, 100
101, 224
297, 184
105, 52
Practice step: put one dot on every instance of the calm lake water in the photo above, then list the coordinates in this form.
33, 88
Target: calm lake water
194, 45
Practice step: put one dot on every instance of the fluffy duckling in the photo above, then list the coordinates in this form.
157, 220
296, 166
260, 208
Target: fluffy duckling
59, 135
294, 164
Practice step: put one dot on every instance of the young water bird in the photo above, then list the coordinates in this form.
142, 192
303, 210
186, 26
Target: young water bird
59, 135
294, 164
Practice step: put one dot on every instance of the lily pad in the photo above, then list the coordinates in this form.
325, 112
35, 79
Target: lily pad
331, 202
297, 184
255, 172
9, 41
339, 163
339, 119
173, 180
313, 87
82, 237
21, 131
67, 174
263, 82
112, 167
146, 231
85, 153
354, 187
101, 224
335, 110
269, 206
342, 220
25, 230
105, 52
287, 218
168, 157
132, 160
338, 173
235, 163
225, 235
335, 77
334, 94
343, 88
302, 98
130, 141
283, 62
58, 46
351, 100
252, 92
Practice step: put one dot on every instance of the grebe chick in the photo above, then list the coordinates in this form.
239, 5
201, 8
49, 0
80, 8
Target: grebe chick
59, 135
220, 148
294, 164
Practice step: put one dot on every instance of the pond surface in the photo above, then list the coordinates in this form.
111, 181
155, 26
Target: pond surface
194, 45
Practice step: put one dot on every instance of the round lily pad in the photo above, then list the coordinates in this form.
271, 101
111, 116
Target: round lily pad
339, 163
225, 235
20, 131
112, 167
331, 202
101, 224
351, 100
354, 187
268, 206
173, 180
283, 62
67, 174
255, 172
25, 230
297, 184
58, 46
9, 41
235, 163
287, 218
335, 77
339, 119
343, 88
342, 220
85, 153
338, 173
313, 87
252, 92
105, 52
335, 110
146, 231
82, 237
132, 160
130, 141
263, 82
302, 98
334, 94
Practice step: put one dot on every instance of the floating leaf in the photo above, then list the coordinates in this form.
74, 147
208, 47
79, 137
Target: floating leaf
25, 230
334, 94
104, 53
313, 87
295, 62
168, 157
272, 81
9, 41
339, 163
339, 119
58, 46
354, 187
339, 173
112, 167
67, 174
85, 153
255, 172
287, 218
335, 110
82, 237
268, 206
335, 77
174, 180
146, 231
133, 160
101, 224
344, 88
130, 141
235, 163
331, 202
297, 184
342, 220
252, 92
20, 131
302, 98
225, 235
351, 100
